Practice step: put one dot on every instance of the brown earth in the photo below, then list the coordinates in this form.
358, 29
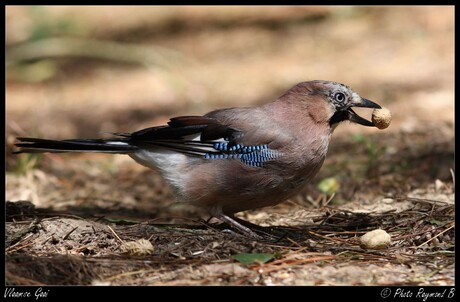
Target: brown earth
70, 216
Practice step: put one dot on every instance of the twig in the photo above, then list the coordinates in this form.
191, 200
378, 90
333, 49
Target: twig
294, 242
68, 234
422, 200
328, 238
419, 233
16, 237
273, 267
329, 199
436, 236
115, 234
13, 248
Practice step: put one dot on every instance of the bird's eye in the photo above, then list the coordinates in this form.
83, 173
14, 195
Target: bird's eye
339, 97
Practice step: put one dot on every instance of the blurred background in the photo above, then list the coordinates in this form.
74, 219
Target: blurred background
78, 71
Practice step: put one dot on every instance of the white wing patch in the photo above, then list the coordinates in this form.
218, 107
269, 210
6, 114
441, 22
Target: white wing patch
117, 143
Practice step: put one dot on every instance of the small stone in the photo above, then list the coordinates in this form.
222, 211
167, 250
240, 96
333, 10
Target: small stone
381, 118
284, 275
138, 248
388, 200
376, 239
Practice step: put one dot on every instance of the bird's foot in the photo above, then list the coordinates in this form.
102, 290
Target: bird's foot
240, 227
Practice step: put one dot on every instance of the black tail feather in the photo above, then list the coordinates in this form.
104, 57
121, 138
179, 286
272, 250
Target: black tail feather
180, 135
32, 145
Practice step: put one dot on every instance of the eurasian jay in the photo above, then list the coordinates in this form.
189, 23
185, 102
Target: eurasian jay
235, 159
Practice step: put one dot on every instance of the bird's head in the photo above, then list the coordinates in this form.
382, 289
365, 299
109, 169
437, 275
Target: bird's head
332, 102
342, 99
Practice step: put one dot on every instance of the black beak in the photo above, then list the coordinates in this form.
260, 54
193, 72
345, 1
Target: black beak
353, 117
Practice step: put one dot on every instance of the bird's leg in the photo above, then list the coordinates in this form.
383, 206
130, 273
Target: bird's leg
232, 222
276, 233
250, 225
